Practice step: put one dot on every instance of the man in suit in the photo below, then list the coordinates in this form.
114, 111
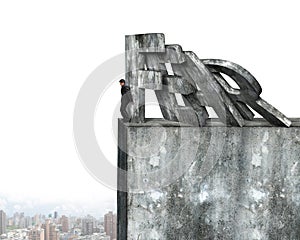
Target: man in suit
125, 100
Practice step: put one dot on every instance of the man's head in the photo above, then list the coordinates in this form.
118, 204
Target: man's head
122, 82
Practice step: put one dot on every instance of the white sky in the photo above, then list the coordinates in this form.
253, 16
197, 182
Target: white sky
48, 49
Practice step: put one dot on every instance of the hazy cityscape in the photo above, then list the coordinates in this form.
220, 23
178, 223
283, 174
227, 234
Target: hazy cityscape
57, 227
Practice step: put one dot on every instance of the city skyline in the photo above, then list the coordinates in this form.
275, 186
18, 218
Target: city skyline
32, 207
51, 215
57, 226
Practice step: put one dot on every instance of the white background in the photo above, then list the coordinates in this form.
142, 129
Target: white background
48, 49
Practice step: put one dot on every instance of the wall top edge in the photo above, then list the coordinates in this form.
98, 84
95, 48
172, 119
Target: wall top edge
212, 122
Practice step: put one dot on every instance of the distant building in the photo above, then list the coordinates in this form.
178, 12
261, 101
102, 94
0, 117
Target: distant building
110, 225
22, 221
73, 222
50, 231
64, 224
54, 233
10, 222
16, 218
87, 226
2, 222
55, 215
36, 219
28, 221
36, 234
46, 227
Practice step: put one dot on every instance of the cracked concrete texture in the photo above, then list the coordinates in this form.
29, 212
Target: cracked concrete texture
213, 182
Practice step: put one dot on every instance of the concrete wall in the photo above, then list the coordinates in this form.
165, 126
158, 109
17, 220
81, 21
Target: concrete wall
213, 182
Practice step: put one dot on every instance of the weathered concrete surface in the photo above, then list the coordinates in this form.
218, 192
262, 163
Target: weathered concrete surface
213, 182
